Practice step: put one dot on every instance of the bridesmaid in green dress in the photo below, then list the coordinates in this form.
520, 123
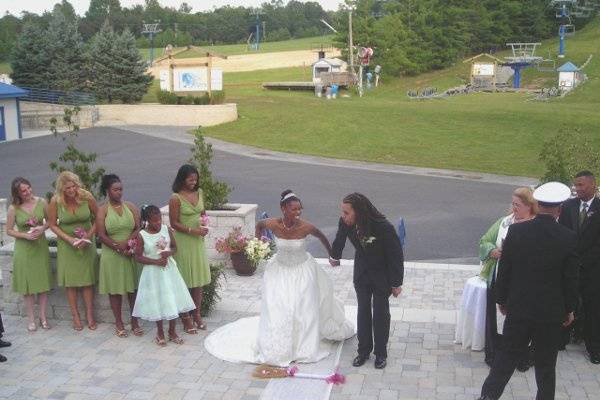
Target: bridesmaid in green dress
117, 225
71, 216
185, 209
27, 222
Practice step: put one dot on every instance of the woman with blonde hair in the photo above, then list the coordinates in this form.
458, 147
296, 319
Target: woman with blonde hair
523, 208
71, 216
27, 223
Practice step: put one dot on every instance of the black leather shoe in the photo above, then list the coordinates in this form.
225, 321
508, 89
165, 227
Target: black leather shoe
595, 358
485, 398
380, 362
359, 360
4, 344
2, 358
523, 366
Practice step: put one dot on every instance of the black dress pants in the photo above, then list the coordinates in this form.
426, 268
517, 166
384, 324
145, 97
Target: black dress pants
590, 296
545, 336
373, 319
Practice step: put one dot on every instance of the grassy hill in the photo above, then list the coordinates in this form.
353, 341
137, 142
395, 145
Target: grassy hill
497, 133
234, 49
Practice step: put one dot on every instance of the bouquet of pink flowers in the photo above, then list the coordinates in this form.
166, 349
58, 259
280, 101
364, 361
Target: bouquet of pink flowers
204, 220
32, 223
161, 245
234, 242
132, 245
80, 233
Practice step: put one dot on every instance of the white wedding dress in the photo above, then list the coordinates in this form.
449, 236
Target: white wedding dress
299, 313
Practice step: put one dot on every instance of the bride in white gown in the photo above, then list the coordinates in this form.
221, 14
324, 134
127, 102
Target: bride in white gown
299, 312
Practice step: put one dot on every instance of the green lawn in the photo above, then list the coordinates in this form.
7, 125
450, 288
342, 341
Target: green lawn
496, 133
5, 68
266, 47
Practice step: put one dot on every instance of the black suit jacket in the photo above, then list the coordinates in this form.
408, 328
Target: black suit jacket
538, 271
588, 236
380, 262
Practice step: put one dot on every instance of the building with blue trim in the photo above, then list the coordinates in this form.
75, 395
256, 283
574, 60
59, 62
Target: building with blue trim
569, 76
10, 112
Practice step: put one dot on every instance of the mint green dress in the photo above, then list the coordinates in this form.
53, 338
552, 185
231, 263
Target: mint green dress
118, 273
75, 267
191, 253
31, 259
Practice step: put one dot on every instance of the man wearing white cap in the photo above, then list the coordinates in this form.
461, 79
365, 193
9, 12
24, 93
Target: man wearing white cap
537, 291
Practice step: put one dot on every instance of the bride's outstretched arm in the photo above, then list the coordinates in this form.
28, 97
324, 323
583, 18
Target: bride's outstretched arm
319, 235
261, 226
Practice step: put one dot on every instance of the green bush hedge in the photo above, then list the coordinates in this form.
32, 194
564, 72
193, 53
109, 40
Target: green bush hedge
165, 97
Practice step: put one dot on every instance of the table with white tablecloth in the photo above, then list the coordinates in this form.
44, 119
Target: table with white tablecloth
470, 326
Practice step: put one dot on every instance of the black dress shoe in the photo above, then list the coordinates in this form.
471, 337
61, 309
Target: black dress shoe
2, 358
523, 366
359, 360
485, 398
4, 344
380, 362
595, 358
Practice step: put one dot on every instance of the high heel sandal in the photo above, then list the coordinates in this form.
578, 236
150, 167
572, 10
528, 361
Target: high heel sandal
175, 339
161, 342
31, 327
189, 327
44, 324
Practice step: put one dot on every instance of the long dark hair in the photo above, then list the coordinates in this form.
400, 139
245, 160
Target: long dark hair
107, 182
15, 187
365, 212
147, 211
184, 171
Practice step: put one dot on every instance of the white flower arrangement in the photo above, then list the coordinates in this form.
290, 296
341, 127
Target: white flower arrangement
258, 250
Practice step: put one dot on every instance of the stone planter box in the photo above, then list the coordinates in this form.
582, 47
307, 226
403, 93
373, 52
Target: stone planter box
221, 221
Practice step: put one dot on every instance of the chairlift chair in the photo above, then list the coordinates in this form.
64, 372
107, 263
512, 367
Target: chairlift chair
566, 30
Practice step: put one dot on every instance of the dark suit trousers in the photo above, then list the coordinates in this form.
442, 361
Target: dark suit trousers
590, 295
373, 319
517, 334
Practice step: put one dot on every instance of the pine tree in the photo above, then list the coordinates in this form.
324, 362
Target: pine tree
101, 63
67, 70
30, 58
131, 81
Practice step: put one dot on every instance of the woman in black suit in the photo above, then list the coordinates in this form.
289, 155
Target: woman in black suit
2, 342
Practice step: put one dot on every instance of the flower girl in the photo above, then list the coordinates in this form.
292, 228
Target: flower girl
162, 293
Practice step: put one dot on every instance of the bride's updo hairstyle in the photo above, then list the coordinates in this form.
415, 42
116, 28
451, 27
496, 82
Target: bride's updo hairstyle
287, 196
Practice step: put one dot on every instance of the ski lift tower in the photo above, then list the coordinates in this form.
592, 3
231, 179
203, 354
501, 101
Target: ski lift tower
257, 13
564, 10
523, 57
151, 29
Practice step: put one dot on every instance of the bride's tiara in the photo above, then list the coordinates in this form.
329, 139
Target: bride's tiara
288, 196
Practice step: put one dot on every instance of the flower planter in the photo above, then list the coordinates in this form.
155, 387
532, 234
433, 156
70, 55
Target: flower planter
241, 264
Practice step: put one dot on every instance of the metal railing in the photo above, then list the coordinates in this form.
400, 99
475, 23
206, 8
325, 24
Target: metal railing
59, 97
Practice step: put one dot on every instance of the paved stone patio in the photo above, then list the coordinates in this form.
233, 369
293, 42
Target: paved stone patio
423, 363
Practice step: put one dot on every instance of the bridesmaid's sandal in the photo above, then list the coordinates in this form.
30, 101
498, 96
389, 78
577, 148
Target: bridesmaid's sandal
77, 327
201, 325
175, 339
188, 326
31, 327
122, 333
92, 326
161, 342
137, 331
44, 324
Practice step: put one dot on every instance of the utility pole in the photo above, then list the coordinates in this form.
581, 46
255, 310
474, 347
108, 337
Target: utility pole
257, 13
151, 30
264, 24
350, 44
175, 33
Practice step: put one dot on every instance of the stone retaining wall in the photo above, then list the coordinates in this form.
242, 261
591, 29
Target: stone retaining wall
221, 222
36, 116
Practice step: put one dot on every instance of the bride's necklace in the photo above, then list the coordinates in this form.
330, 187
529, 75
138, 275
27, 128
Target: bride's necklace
288, 227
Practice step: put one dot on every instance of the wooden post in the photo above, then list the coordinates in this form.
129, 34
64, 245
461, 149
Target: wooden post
209, 76
171, 75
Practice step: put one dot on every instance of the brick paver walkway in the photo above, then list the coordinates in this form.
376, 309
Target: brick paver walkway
423, 363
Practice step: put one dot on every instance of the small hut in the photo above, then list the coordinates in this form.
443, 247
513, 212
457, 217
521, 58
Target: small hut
569, 76
10, 112
484, 70
326, 66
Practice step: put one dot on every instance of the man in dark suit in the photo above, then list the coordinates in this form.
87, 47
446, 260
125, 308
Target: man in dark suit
582, 215
378, 272
537, 291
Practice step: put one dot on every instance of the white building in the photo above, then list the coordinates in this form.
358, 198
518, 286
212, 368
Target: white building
326, 65
569, 76
10, 113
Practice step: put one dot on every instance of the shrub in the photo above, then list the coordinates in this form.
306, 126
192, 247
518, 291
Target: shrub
210, 295
567, 153
215, 192
166, 97
189, 99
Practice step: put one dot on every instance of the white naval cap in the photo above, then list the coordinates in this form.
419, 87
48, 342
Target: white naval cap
552, 193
